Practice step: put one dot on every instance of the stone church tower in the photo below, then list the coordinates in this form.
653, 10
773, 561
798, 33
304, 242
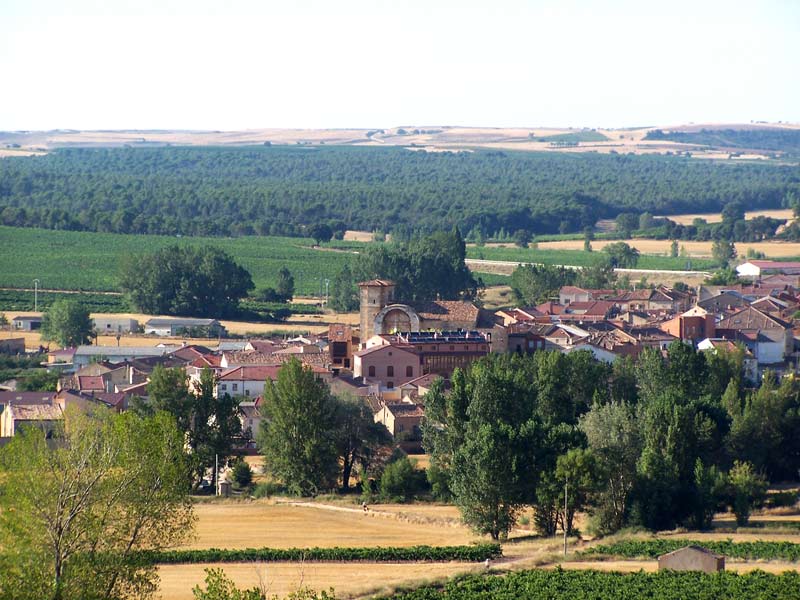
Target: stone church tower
373, 296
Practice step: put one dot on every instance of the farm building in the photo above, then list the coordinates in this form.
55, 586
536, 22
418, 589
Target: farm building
692, 558
113, 325
180, 326
85, 355
26, 323
756, 268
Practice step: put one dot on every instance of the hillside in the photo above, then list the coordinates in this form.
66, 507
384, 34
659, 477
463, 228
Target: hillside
279, 190
637, 140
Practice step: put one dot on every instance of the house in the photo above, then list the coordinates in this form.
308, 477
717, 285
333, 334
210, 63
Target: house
63, 356
18, 416
389, 364
177, 326
85, 355
245, 381
250, 417
22, 323
695, 324
754, 269
341, 345
111, 325
692, 558
768, 337
724, 302
402, 419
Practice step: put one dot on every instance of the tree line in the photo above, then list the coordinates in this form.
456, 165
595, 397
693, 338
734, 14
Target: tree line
287, 191
665, 441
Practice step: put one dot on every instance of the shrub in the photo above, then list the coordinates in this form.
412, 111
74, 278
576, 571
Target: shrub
268, 489
401, 480
242, 474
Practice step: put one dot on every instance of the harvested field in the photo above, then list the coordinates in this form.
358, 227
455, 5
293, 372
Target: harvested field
261, 523
347, 579
686, 219
698, 249
296, 323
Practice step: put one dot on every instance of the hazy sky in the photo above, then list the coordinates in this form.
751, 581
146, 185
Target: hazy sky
235, 64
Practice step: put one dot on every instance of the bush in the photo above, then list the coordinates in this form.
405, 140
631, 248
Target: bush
242, 474
268, 489
401, 480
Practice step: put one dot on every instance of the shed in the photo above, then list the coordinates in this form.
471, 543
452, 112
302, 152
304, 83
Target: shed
692, 558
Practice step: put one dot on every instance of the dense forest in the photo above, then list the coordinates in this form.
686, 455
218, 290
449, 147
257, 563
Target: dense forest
284, 190
779, 140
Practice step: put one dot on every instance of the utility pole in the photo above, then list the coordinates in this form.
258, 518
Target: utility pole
216, 474
35, 295
565, 515
327, 283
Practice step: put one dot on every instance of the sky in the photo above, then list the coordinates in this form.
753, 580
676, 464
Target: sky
242, 64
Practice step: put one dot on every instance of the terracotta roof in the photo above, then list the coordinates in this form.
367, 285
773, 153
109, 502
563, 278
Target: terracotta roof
377, 282
406, 409
571, 289
448, 310
752, 318
264, 346
772, 264
250, 373
250, 357
388, 347
90, 382
37, 412
26, 397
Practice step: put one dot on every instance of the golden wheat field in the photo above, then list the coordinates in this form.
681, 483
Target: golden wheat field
686, 219
254, 524
348, 579
698, 249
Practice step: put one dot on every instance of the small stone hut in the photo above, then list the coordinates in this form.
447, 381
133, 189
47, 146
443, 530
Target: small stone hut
692, 558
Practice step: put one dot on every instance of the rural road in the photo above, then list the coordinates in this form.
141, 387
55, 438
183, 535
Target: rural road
477, 262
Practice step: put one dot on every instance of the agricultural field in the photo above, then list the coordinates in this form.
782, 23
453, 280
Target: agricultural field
650, 249
71, 260
687, 219
571, 253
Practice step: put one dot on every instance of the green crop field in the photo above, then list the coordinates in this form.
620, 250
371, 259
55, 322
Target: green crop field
579, 258
71, 260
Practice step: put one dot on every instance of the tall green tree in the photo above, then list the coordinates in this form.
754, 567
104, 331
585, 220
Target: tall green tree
68, 323
622, 255
723, 251
285, 285
296, 436
344, 294
356, 436
200, 281
73, 516
487, 437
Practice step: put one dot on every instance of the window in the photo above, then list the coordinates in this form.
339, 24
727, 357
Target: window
223, 386
409, 371
247, 392
390, 371
371, 371
235, 387
390, 385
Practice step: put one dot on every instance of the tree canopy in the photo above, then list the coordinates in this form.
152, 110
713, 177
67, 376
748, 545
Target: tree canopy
73, 516
68, 323
185, 280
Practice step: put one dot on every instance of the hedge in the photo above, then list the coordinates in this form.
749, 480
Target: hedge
390, 554
653, 548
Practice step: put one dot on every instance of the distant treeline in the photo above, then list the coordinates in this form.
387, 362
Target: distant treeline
281, 191
779, 140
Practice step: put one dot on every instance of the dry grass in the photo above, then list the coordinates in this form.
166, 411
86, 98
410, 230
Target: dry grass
358, 236
686, 219
253, 524
296, 323
347, 579
496, 296
698, 249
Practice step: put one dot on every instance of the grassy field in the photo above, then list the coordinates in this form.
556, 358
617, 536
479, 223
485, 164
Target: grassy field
73, 260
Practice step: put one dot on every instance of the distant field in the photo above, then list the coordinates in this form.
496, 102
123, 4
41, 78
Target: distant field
73, 260
693, 249
571, 253
686, 219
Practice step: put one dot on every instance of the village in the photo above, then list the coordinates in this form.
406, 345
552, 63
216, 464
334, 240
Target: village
399, 350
